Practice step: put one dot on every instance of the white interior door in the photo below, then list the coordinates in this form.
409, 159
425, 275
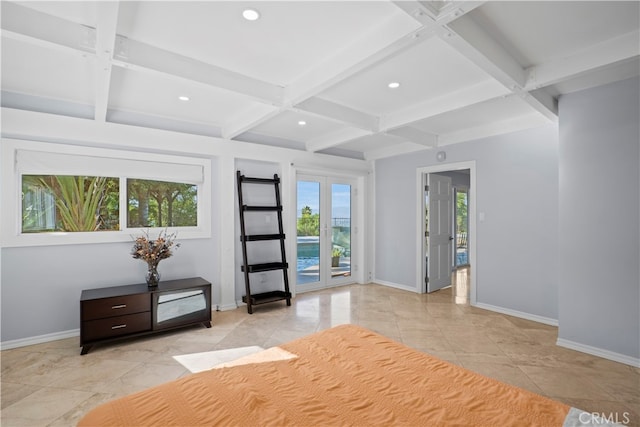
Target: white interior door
439, 236
325, 225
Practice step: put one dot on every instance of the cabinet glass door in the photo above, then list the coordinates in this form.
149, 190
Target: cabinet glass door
175, 307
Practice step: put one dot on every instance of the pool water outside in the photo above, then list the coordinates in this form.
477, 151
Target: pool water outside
306, 262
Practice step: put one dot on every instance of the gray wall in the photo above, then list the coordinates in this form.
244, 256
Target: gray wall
599, 217
516, 189
41, 285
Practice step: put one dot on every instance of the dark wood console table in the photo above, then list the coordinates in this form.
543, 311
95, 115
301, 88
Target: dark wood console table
108, 314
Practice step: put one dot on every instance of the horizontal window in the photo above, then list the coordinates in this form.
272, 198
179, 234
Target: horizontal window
69, 194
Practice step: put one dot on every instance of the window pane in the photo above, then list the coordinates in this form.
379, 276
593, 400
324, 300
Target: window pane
161, 204
340, 230
308, 225
69, 203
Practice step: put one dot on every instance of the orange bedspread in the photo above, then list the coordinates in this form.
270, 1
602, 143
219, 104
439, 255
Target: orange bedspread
346, 375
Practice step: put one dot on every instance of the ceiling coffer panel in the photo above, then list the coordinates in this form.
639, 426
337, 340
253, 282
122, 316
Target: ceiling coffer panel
363, 79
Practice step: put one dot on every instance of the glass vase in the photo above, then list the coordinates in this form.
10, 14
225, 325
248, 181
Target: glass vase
153, 277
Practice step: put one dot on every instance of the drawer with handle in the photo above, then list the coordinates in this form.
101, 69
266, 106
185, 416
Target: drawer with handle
115, 306
115, 326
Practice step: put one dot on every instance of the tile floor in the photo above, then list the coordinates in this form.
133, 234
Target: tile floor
50, 384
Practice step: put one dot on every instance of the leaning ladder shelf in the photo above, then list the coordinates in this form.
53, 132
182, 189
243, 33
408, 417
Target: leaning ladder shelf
250, 298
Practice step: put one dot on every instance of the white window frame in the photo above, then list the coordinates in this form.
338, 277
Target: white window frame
11, 185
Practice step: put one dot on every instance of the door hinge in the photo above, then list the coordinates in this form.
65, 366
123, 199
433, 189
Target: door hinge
426, 188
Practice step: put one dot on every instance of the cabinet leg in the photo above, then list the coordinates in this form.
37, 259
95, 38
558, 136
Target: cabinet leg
85, 349
207, 324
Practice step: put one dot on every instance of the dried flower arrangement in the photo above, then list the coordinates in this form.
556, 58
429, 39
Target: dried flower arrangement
153, 251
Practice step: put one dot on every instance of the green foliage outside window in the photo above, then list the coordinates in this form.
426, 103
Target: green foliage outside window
308, 223
161, 204
69, 203
90, 203
461, 211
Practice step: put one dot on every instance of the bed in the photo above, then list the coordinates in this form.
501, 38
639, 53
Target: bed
346, 375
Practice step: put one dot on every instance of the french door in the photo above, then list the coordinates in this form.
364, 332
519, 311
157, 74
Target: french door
324, 231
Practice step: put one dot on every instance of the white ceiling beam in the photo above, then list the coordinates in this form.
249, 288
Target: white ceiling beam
355, 57
138, 55
474, 43
453, 10
543, 102
527, 121
415, 135
335, 138
608, 52
25, 24
461, 98
340, 113
471, 40
427, 13
393, 150
107, 15
255, 115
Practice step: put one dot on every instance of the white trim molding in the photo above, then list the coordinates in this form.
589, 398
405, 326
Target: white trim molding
472, 190
39, 339
595, 351
395, 285
515, 313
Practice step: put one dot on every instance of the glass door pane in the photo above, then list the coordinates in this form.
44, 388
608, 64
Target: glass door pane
308, 232
340, 231
462, 227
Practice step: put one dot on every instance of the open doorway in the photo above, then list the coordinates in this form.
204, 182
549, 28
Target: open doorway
446, 225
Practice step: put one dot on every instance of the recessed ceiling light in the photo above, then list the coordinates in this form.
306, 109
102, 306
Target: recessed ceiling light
250, 14
302, 122
393, 85
183, 98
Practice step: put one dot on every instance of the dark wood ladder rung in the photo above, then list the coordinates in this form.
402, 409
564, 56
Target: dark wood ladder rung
276, 295
257, 237
262, 208
250, 180
267, 297
267, 266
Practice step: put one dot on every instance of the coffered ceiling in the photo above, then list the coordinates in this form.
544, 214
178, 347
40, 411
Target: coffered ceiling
315, 75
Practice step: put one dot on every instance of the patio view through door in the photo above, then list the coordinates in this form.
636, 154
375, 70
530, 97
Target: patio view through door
324, 224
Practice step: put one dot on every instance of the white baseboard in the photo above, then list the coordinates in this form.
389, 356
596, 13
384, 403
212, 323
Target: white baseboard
23, 342
595, 351
520, 314
227, 307
394, 285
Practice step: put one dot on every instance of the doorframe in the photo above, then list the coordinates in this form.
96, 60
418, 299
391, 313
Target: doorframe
359, 263
421, 286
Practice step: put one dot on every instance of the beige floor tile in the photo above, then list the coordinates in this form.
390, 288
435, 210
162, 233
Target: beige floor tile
43, 406
91, 374
559, 383
51, 384
501, 372
142, 377
12, 392
72, 417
